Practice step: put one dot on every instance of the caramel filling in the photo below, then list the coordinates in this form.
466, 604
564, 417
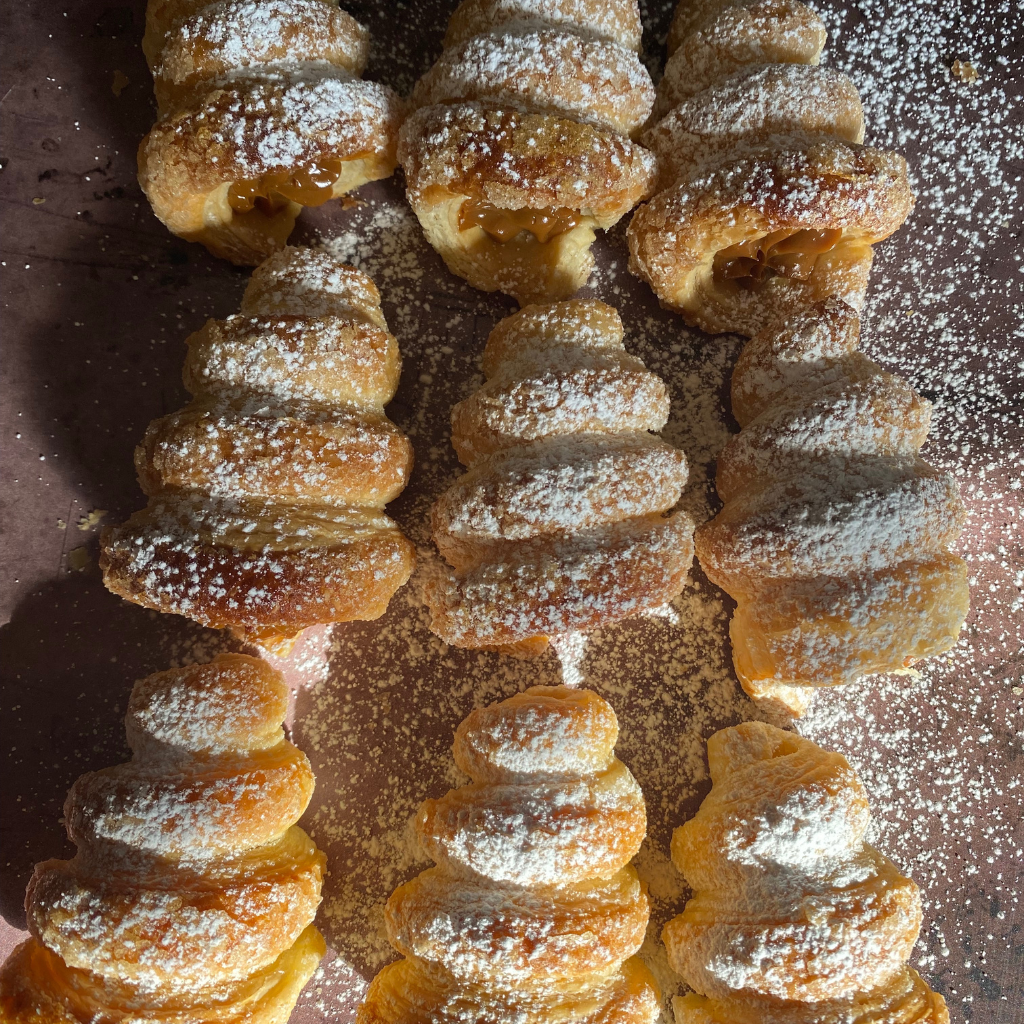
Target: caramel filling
786, 253
307, 186
504, 225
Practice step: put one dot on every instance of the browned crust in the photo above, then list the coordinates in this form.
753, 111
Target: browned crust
261, 918
806, 183
545, 71
611, 396
552, 326
223, 139
566, 585
319, 359
408, 991
225, 35
253, 123
517, 160
360, 459
738, 35
820, 184
161, 17
904, 999
692, 15
261, 595
536, 931
742, 111
615, 20
36, 987
811, 345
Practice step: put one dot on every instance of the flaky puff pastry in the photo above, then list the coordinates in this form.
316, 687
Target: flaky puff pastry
768, 202
835, 536
559, 525
794, 918
520, 145
266, 492
262, 112
192, 894
532, 913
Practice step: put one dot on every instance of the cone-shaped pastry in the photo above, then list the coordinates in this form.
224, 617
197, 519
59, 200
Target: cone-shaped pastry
768, 201
559, 525
262, 112
192, 895
794, 918
267, 491
532, 913
835, 537
521, 146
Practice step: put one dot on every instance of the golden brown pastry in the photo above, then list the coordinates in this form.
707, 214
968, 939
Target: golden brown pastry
794, 918
835, 536
192, 894
709, 40
266, 492
532, 913
560, 524
262, 112
767, 200
520, 147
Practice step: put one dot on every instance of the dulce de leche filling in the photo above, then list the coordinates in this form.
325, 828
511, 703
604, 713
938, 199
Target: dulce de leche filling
786, 253
504, 225
307, 186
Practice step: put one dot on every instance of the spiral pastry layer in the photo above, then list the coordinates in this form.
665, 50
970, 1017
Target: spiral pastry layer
262, 112
192, 894
794, 918
520, 144
266, 492
532, 913
835, 536
559, 525
767, 200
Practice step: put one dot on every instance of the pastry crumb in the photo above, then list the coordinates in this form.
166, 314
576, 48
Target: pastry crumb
965, 71
87, 522
79, 559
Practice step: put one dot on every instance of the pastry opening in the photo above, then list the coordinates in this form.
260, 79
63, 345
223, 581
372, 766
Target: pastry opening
308, 186
782, 253
503, 225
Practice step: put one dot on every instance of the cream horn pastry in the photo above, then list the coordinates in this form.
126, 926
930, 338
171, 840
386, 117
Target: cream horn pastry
261, 112
794, 918
266, 493
767, 199
192, 893
835, 539
520, 144
532, 913
561, 523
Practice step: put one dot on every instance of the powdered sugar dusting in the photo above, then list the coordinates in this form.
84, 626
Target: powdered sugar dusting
555, 529
530, 866
939, 750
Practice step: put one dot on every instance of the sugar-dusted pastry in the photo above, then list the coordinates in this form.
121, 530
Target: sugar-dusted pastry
192, 893
262, 112
709, 40
835, 536
520, 144
560, 524
794, 918
532, 913
266, 492
767, 200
